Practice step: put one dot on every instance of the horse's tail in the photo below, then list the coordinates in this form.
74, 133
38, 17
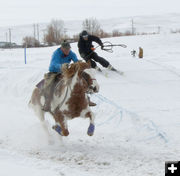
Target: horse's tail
35, 98
35, 104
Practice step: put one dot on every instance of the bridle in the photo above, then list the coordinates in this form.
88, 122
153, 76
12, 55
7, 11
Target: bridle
88, 79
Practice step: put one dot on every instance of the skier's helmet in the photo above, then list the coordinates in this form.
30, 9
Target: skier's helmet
84, 34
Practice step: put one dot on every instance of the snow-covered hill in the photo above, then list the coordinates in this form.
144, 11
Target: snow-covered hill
155, 23
137, 115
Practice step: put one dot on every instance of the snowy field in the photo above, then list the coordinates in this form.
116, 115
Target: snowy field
137, 115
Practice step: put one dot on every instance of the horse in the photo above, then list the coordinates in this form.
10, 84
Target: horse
70, 98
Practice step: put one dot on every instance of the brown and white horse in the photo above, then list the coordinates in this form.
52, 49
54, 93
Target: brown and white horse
70, 98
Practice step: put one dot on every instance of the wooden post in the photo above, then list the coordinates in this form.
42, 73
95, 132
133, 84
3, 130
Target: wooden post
140, 52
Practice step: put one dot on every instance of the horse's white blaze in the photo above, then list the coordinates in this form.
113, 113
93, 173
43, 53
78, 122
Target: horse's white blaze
95, 84
91, 72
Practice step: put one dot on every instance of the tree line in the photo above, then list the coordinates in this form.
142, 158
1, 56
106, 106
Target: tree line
55, 33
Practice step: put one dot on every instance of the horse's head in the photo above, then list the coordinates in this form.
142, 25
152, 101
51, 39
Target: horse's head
87, 74
89, 79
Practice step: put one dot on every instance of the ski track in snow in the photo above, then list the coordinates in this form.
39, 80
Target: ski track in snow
137, 122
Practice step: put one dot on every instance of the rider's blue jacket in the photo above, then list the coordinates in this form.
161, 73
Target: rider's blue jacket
58, 58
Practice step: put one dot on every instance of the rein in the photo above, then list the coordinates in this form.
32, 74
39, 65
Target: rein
60, 105
91, 79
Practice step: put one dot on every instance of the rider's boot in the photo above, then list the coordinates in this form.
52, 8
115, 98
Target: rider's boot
91, 103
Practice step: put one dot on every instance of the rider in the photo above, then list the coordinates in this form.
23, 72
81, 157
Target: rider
86, 51
60, 56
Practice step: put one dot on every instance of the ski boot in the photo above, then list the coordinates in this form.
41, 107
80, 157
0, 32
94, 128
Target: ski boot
110, 67
98, 69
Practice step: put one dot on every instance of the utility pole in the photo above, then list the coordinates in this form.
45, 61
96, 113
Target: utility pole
10, 37
6, 37
65, 31
34, 26
37, 27
132, 24
44, 31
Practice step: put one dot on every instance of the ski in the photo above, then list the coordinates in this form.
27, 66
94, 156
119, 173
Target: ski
107, 74
104, 73
119, 72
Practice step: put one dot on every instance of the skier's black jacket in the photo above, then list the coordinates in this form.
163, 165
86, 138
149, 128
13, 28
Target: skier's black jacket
86, 45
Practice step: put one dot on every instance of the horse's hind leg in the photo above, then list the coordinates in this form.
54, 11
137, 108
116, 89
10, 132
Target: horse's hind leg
91, 127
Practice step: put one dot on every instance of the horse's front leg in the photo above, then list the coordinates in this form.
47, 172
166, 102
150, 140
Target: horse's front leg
63, 128
91, 127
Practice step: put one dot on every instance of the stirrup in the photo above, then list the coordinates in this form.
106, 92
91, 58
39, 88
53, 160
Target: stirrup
92, 104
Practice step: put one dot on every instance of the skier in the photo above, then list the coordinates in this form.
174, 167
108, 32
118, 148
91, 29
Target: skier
86, 50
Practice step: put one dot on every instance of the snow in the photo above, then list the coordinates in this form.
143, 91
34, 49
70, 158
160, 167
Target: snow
137, 115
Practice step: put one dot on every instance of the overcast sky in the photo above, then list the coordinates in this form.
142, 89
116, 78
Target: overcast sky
16, 12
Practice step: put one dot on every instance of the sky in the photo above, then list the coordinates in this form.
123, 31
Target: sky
19, 12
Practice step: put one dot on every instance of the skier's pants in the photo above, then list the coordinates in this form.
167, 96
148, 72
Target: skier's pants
94, 57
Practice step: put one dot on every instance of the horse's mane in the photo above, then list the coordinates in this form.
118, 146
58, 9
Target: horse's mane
69, 71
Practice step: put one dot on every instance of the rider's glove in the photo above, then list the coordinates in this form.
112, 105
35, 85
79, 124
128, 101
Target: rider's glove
92, 48
102, 47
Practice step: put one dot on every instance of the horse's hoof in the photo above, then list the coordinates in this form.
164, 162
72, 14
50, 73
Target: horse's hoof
65, 133
91, 129
58, 129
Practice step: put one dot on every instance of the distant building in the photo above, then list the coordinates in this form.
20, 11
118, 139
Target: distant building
70, 40
9, 45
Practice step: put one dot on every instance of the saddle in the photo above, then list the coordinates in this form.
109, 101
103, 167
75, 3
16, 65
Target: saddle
40, 85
